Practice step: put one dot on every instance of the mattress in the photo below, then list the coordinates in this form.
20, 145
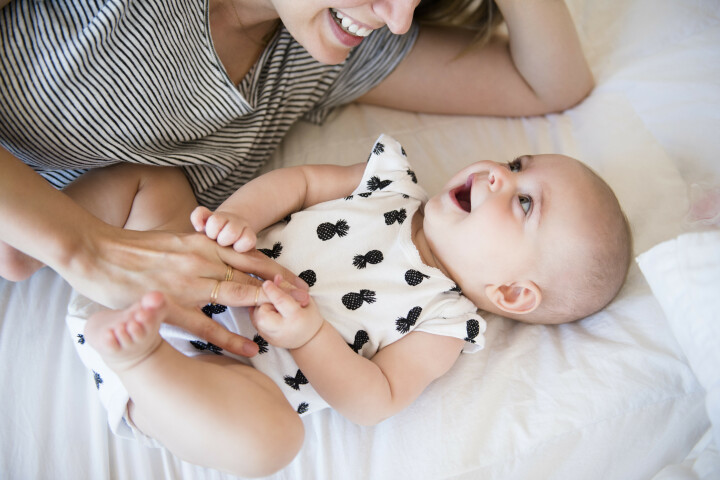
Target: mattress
622, 394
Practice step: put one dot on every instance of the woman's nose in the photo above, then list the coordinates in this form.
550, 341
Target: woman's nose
397, 14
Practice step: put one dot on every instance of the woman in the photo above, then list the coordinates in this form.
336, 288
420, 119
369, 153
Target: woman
214, 86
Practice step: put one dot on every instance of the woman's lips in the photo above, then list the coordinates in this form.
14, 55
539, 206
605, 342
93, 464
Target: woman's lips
347, 39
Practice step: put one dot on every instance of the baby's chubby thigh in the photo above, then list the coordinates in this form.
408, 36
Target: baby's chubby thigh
235, 320
262, 431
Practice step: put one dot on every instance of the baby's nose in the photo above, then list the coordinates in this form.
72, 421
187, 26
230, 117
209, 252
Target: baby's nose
497, 177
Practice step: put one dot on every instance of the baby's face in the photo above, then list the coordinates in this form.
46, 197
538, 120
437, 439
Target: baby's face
494, 223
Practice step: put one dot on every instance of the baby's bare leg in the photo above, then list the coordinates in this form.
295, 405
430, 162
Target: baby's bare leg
207, 410
137, 197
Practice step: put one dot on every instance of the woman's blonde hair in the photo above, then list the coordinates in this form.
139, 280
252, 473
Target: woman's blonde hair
482, 16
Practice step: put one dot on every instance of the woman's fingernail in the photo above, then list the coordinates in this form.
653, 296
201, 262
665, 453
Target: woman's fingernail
250, 349
301, 296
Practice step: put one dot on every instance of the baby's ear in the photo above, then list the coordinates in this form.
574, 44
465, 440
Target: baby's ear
518, 297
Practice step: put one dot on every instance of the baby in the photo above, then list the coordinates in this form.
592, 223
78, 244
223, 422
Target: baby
395, 281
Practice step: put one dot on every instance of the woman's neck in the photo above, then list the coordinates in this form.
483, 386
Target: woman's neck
240, 34
245, 14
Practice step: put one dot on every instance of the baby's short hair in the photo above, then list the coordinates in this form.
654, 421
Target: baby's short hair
600, 261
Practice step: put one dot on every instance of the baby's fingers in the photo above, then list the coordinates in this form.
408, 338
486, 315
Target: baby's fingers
284, 303
246, 241
214, 225
199, 218
266, 320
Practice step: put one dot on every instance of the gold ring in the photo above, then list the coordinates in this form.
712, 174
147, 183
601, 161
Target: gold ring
214, 293
257, 295
229, 273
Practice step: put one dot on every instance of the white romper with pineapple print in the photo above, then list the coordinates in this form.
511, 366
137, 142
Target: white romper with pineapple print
364, 273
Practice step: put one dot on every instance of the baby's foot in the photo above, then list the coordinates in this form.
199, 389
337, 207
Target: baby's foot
124, 338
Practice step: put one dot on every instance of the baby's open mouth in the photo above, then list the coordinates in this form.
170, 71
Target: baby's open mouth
462, 194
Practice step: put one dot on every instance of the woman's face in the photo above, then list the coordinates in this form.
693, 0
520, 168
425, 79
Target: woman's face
330, 29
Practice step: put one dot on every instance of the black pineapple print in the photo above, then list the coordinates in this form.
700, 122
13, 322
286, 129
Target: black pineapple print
404, 324
309, 277
414, 278
378, 148
373, 257
376, 184
200, 345
273, 252
361, 338
353, 300
211, 309
297, 381
393, 216
327, 230
261, 343
473, 330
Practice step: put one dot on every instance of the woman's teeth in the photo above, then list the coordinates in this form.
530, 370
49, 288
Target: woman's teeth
347, 24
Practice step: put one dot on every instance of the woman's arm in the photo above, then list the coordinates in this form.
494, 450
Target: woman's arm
541, 68
115, 266
364, 391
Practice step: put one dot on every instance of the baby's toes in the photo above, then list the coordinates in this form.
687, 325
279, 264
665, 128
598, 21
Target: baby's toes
106, 340
136, 331
120, 330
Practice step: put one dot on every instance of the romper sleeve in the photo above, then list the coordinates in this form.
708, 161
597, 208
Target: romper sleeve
366, 66
388, 170
455, 317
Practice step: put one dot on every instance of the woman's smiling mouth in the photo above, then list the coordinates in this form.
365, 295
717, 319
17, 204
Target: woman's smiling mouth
348, 25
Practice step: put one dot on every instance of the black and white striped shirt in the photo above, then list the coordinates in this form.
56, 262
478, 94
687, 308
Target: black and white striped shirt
90, 83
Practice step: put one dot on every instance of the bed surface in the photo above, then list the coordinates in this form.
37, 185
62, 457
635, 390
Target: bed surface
610, 397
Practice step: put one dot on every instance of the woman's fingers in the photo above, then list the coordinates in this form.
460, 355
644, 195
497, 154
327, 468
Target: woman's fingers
258, 264
197, 323
245, 291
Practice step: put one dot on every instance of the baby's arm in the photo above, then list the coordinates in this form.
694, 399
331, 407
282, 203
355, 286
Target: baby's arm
270, 197
366, 391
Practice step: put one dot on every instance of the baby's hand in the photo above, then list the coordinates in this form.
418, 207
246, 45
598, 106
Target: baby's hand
224, 227
286, 323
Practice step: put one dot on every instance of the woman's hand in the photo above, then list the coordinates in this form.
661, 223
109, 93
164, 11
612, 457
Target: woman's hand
116, 267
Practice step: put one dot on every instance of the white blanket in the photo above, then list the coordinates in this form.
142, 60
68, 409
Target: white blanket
610, 397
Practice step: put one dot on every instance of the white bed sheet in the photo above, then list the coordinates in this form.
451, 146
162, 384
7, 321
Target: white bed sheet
610, 397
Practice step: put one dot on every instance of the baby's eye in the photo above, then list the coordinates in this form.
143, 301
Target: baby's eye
525, 203
515, 165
